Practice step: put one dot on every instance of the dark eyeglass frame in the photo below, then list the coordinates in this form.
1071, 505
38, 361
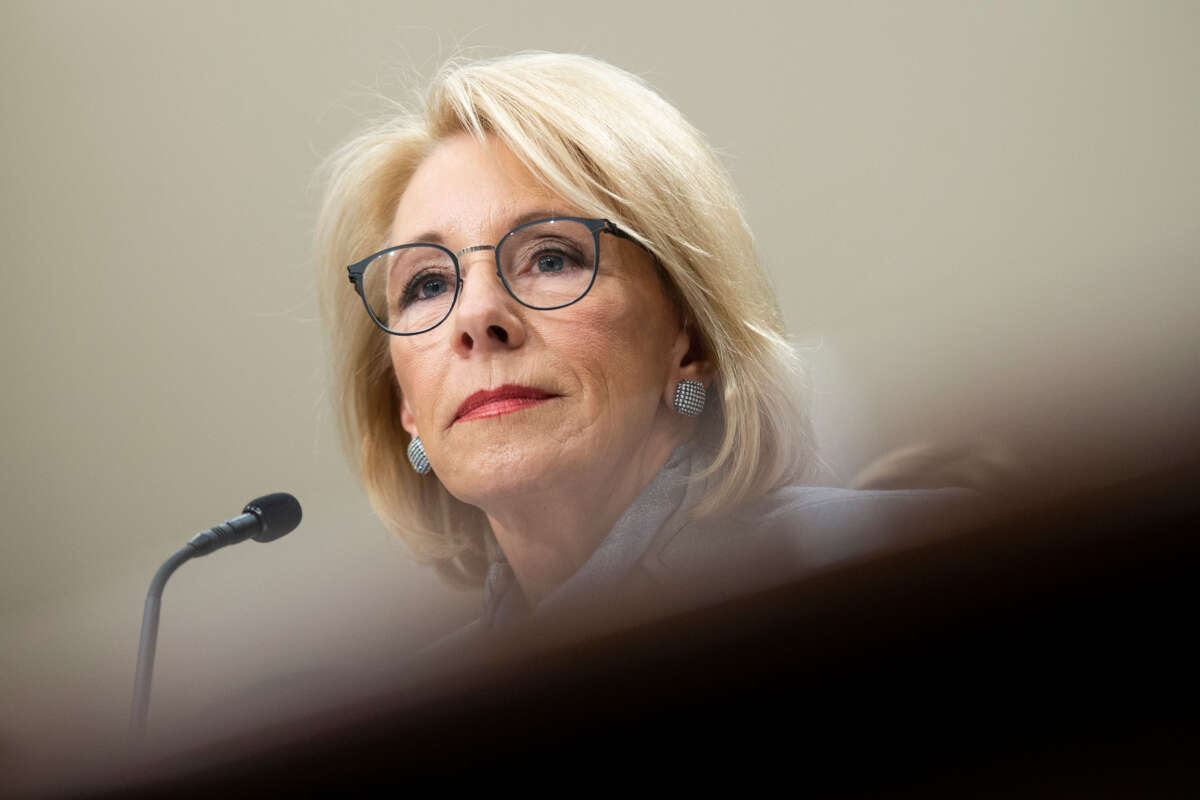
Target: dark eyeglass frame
596, 226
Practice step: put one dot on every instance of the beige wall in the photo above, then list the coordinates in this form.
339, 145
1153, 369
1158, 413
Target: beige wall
984, 213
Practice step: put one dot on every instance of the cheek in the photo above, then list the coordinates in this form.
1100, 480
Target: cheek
411, 363
620, 344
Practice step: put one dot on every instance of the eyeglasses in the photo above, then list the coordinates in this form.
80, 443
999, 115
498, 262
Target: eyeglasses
544, 264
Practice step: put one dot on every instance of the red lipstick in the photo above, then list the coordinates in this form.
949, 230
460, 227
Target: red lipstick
501, 400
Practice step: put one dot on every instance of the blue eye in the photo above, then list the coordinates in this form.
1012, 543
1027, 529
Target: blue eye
550, 263
425, 286
431, 288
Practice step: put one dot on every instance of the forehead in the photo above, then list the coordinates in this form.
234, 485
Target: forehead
471, 191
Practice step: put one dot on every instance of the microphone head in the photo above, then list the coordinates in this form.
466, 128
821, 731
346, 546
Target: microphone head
279, 514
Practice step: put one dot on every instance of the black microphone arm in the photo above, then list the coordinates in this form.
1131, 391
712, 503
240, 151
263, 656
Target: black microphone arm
264, 519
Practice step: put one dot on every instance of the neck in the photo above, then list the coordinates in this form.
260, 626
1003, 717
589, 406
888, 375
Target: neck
549, 534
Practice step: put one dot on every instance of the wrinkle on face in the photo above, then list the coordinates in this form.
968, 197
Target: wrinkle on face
608, 355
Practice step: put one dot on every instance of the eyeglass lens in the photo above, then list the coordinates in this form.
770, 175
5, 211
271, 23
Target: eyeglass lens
544, 265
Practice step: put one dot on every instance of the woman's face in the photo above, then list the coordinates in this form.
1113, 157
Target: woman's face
585, 387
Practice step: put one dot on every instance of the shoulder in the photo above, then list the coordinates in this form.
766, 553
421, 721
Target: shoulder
796, 530
820, 516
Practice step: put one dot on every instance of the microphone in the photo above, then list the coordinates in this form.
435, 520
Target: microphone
263, 519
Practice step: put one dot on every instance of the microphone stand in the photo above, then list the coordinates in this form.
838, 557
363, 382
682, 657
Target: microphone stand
145, 661
263, 519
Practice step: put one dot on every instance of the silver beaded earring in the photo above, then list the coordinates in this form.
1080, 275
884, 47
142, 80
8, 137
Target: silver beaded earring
417, 457
689, 397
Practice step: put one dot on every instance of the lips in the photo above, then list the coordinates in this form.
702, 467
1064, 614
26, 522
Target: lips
501, 400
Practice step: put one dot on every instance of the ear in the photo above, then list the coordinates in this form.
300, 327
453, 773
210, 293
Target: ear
407, 420
689, 360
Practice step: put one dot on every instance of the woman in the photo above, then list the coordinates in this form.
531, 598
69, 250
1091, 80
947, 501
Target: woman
557, 315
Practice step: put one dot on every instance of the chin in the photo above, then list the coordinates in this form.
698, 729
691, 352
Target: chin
506, 469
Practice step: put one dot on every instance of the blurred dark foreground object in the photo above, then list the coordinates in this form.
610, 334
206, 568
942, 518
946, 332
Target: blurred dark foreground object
1048, 652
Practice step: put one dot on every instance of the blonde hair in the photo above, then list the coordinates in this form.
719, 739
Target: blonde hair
611, 147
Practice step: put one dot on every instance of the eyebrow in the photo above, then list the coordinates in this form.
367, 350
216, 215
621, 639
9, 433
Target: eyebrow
435, 237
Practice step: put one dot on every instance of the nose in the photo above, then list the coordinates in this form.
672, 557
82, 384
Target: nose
487, 317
